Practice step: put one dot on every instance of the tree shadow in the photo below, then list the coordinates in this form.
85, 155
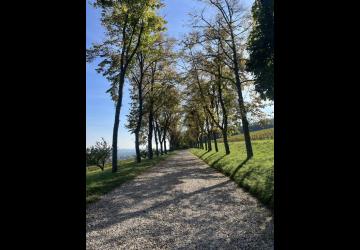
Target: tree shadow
143, 212
247, 174
215, 162
203, 210
206, 214
161, 182
238, 167
209, 155
203, 154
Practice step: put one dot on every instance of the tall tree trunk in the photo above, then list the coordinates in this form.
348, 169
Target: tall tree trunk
205, 142
116, 124
208, 134
201, 142
225, 118
140, 114
215, 142
137, 147
158, 129
161, 148
156, 140
164, 139
226, 143
244, 120
245, 125
209, 141
123, 67
151, 113
151, 117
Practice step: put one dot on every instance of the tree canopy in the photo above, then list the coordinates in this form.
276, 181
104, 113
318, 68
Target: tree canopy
214, 84
261, 48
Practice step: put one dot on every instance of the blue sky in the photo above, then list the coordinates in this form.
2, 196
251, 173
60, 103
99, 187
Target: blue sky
99, 107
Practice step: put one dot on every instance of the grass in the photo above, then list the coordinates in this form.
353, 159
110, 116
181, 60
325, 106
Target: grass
101, 182
264, 134
255, 175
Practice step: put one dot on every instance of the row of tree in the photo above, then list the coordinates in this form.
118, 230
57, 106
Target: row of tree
222, 59
225, 55
132, 27
155, 97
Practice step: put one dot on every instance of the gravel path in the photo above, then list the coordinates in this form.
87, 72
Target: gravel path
181, 203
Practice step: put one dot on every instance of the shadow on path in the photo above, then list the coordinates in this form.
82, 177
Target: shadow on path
181, 203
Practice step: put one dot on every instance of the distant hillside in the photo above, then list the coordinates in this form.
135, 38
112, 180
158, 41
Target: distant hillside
125, 153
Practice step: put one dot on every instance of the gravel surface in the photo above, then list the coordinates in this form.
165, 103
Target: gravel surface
181, 203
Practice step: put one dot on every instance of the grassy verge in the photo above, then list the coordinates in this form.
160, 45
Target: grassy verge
101, 182
255, 175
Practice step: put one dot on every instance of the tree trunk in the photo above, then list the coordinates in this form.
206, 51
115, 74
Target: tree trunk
209, 141
156, 141
226, 143
245, 124
161, 148
151, 112
137, 147
208, 135
225, 116
138, 123
165, 146
244, 120
159, 136
101, 167
116, 124
205, 142
151, 117
215, 142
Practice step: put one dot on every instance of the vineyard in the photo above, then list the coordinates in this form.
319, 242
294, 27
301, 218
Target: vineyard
264, 134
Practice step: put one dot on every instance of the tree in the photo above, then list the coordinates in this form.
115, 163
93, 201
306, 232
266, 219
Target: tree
162, 77
194, 118
234, 26
136, 109
128, 23
99, 154
166, 113
140, 79
261, 48
192, 132
210, 78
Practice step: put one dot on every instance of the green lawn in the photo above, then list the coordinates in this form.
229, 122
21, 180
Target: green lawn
256, 175
100, 182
